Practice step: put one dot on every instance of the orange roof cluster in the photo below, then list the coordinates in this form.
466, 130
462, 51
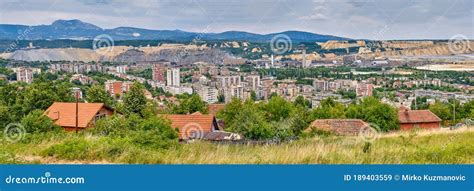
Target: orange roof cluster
196, 122
417, 116
341, 126
64, 114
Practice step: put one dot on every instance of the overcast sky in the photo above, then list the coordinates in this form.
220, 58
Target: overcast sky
370, 19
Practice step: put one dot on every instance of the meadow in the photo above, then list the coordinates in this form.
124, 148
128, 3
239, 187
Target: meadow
415, 147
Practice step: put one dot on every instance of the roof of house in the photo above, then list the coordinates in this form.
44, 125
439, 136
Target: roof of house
417, 116
341, 126
214, 108
222, 136
196, 123
64, 114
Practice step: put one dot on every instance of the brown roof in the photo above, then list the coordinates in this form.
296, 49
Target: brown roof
64, 114
417, 116
340, 126
222, 136
196, 125
214, 108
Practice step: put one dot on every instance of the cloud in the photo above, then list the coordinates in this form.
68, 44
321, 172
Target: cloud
406, 19
315, 16
318, 13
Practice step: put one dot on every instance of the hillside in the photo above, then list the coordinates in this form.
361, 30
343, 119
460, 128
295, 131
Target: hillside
439, 147
78, 30
187, 54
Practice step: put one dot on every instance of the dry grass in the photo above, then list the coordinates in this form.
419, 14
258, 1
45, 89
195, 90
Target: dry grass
438, 147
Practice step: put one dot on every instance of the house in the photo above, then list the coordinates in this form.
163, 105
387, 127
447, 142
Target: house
222, 136
423, 119
193, 126
347, 127
64, 114
214, 108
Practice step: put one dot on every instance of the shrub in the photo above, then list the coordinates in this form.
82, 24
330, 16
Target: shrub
75, 149
36, 122
155, 133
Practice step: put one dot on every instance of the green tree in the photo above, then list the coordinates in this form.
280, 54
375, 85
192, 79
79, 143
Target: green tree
156, 133
230, 110
97, 94
251, 123
253, 96
37, 122
278, 108
220, 98
5, 117
442, 110
373, 111
300, 101
134, 100
328, 109
191, 104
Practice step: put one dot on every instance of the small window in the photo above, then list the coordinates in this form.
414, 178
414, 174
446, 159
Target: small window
99, 116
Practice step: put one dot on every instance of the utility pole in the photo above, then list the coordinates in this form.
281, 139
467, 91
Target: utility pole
77, 110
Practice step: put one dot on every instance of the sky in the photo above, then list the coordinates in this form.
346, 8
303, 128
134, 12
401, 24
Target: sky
358, 19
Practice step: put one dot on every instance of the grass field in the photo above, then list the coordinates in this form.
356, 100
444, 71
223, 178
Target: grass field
439, 147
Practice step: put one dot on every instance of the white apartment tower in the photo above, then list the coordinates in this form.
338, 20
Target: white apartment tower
253, 81
172, 77
24, 75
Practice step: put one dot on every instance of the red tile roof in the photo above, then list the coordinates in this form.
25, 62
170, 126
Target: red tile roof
194, 126
340, 126
64, 114
417, 116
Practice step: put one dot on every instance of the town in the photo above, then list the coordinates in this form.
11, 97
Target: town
424, 99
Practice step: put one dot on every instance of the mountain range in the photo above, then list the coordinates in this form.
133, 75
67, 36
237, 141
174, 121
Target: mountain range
79, 30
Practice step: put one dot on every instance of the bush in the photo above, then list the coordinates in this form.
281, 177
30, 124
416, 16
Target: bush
155, 133
114, 125
37, 122
75, 149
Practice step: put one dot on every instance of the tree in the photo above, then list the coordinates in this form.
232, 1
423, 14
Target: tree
253, 96
5, 118
230, 110
97, 94
373, 111
155, 132
300, 101
328, 109
278, 108
37, 122
251, 123
191, 104
220, 98
195, 103
135, 100
442, 110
